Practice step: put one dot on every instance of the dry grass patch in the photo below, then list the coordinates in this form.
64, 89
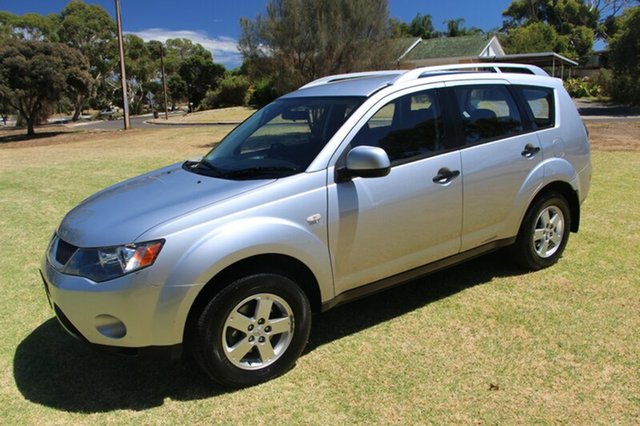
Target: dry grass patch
614, 136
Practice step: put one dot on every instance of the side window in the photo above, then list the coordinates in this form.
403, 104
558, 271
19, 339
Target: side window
487, 112
541, 103
407, 128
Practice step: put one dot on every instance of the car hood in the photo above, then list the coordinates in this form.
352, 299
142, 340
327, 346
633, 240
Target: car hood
121, 213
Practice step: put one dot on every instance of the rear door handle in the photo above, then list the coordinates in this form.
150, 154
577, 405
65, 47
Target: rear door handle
530, 151
445, 176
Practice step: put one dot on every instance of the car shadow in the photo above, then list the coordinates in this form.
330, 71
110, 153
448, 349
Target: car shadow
54, 369
356, 316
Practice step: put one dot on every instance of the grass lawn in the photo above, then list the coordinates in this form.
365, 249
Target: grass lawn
481, 343
222, 115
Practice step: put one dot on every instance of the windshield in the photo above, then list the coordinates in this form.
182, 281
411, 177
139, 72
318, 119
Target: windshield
279, 140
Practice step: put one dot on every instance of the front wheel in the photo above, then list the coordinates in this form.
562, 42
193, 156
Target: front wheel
253, 330
544, 232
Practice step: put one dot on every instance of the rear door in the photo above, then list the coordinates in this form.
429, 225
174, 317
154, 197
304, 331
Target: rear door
500, 158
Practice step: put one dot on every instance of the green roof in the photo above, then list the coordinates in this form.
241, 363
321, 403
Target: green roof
448, 47
401, 45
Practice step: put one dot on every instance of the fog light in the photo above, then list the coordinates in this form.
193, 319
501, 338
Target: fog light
110, 326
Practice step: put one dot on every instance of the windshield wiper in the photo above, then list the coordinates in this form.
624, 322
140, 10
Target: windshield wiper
280, 171
203, 166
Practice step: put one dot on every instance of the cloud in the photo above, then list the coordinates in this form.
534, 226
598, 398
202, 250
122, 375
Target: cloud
224, 49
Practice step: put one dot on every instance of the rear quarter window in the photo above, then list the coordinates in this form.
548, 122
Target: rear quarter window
540, 101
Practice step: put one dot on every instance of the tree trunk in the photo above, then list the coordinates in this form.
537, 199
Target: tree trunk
78, 107
30, 123
77, 112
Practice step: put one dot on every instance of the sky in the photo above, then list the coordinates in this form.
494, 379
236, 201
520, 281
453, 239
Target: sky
216, 24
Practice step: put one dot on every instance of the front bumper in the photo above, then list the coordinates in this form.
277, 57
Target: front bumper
126, 314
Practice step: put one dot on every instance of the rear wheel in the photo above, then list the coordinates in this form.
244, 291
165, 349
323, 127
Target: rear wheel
544, 232
253, 330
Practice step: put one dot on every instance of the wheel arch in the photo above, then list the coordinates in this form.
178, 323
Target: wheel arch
569, 194
277, 263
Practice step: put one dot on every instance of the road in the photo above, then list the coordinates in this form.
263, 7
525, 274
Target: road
137, 122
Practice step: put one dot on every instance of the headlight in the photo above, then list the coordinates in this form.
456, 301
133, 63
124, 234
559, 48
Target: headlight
107, 263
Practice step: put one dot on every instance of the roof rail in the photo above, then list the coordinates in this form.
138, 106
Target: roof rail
349, 76
497, 67
402, 75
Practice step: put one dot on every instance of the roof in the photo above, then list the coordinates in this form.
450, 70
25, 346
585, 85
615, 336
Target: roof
402, 46
360, 86
448, 47
367, 83
541, 59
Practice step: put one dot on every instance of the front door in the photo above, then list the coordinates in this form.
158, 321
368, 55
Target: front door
379, 227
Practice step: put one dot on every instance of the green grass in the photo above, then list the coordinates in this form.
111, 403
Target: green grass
479, 343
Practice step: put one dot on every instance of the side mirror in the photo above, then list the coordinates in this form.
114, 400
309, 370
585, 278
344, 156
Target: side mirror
367, 162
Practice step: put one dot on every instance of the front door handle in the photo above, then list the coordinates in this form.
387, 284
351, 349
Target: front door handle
530, 151
445, 176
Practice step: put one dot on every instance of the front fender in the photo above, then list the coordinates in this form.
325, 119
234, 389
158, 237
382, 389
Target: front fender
253, 236
242, 239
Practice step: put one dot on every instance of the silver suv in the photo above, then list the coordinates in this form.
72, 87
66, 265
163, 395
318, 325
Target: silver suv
345, 187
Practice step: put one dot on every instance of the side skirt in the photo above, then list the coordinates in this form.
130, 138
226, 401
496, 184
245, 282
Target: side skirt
383, 284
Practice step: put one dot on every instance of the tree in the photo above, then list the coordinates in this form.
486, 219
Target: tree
533, 38
90, 29
625, 44
179, 49
422, 26
398, 29
140, 69
231, 91
574, 21
199, 75
624, 58
561, 14
30, 26
299, 40
456, 28
177, 89
35, 74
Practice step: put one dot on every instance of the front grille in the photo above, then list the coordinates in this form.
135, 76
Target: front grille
64, 251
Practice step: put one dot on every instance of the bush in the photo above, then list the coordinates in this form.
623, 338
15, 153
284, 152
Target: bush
620, 87
263, 93
583, 87
233, 90
625, 89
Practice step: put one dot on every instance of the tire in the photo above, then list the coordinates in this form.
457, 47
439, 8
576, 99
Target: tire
544, 232
252, 331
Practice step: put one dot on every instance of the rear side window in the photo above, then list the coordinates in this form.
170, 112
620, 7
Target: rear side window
541, 103
488, 112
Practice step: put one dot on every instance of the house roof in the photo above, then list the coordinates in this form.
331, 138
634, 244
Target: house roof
404, 46
449, 47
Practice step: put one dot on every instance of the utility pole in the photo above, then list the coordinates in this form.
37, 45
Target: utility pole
164, 84
123, 77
